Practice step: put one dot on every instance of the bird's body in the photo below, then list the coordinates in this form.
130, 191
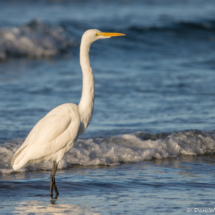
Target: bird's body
50, 138
56, 133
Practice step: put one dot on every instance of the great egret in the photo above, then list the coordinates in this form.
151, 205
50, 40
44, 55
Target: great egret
56, 133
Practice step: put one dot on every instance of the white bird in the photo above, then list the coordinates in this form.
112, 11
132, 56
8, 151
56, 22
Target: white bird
56, 133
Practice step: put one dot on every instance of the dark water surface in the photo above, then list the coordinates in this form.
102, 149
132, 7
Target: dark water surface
152, 187
158, 80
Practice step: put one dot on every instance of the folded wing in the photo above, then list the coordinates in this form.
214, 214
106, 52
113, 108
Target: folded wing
58, 129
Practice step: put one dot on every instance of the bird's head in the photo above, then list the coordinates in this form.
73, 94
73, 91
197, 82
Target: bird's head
94, 34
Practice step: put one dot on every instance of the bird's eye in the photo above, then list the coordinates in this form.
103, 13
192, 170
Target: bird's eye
97, 34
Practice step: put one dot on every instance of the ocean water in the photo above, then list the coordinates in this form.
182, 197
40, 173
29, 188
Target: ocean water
150, 146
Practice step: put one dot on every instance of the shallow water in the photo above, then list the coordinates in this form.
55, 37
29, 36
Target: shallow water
152, 187
159, 186
154, 104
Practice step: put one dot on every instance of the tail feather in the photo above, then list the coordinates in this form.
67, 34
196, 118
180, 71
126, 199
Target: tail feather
18, 159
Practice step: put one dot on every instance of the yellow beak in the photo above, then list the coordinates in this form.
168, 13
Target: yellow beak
105, 34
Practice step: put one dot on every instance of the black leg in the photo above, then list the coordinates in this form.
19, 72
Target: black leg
55, 188
52, 182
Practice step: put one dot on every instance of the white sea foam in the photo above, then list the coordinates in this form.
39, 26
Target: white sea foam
34, 40
128, 148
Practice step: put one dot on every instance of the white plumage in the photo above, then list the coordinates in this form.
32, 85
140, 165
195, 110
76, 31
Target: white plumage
50, 138
56, 133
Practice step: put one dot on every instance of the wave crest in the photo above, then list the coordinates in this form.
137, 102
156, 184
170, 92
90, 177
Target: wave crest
181, 26
34, 40
128, 148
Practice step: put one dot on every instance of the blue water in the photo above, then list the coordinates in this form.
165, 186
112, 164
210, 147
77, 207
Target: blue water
157, 80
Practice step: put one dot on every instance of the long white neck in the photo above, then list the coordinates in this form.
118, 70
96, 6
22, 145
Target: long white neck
87, 99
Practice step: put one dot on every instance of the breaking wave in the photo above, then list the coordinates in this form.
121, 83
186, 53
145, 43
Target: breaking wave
115, 150
34, 40
39, 40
